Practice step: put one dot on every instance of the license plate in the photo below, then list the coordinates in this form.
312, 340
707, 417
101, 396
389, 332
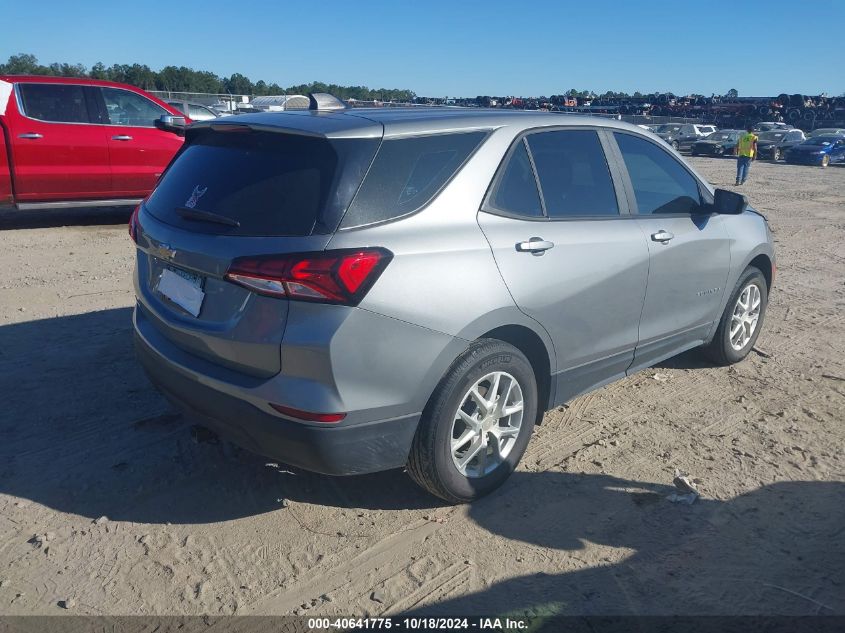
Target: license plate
182, 288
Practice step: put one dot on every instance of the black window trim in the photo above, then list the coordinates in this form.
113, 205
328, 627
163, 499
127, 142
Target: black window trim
22, 106
612, 166
487, 132
705, 197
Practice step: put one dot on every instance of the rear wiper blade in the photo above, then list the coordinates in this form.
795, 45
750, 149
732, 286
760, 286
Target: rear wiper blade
205, 216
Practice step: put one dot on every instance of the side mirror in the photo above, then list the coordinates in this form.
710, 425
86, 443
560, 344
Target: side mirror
171, 123
729, 202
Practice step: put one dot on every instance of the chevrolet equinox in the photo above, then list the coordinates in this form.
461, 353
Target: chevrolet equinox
355, 290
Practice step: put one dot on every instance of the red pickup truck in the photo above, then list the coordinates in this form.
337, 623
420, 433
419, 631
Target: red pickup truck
81, 142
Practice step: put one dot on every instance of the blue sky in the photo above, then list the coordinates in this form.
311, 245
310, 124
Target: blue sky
457, 48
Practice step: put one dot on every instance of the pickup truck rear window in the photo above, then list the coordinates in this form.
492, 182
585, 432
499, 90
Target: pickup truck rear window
268, 183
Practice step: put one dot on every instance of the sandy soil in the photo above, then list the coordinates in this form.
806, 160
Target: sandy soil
107, 503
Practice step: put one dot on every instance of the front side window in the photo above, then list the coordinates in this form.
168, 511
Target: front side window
407, 173
661, 184
516, 191
573, 173
177, 105
199, 113
128, 108
57, 103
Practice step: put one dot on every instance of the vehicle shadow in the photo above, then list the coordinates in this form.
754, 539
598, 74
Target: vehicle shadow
88, 216
691, 359
84, 432
777, 550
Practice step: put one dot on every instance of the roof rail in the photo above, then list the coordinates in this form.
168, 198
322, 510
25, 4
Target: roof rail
323, 101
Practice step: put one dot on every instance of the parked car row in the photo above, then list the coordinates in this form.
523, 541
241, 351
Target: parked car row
776, 141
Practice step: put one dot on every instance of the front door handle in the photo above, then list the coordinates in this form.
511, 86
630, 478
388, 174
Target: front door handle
662, 236
31, 135
121, 137
535, 246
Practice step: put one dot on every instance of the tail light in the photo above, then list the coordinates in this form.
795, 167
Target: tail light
133, 224
340, 276
308, 416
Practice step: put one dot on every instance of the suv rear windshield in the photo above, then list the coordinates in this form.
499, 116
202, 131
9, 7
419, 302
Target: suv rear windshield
407, 173
270, 183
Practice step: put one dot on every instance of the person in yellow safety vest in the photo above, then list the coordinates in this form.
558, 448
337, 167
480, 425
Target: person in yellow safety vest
746, 150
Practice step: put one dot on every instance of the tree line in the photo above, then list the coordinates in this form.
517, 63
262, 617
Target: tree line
184, 79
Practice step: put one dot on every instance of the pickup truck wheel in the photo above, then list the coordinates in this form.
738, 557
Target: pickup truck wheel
477, 423
741, 321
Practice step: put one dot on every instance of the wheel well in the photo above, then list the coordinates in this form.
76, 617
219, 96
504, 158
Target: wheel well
764, 264
534, 349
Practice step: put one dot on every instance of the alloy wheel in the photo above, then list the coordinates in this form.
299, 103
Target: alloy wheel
745, 316
486, 424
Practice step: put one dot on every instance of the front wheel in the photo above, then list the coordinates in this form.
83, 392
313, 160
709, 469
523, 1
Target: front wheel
477, 424
776, 155
825, 160
742, 319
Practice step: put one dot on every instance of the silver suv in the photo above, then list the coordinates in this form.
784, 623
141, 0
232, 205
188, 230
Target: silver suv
351, 291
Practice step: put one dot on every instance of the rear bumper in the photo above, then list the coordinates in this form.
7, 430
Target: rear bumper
343, 449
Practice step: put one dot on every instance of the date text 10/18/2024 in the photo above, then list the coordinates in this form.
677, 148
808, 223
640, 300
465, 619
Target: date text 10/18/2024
418, 624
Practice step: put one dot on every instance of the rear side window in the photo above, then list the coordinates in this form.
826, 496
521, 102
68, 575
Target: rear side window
516, 191
407, 173
58, 103
661, 184
271, 184
573, 172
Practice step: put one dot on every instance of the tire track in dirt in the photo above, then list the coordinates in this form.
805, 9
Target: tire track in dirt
334, 574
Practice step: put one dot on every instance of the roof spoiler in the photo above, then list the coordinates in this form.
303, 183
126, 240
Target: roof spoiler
323, 102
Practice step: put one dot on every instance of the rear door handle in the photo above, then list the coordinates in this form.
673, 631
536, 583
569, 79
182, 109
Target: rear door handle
31, 135
662, 236
535, 246
121, 137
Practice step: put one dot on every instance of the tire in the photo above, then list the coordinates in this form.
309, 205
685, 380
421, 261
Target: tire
825, 161
694, 153
720, 350
432, 463
675, 146
776, 155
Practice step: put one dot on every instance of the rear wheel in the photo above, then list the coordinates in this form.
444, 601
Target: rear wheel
477, 424
741, 321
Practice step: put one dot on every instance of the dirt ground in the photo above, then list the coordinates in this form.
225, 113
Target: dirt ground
107, 506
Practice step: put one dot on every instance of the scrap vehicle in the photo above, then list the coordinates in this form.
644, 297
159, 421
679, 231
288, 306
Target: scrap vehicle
774, 143
817, 150
684, 135
721, 143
